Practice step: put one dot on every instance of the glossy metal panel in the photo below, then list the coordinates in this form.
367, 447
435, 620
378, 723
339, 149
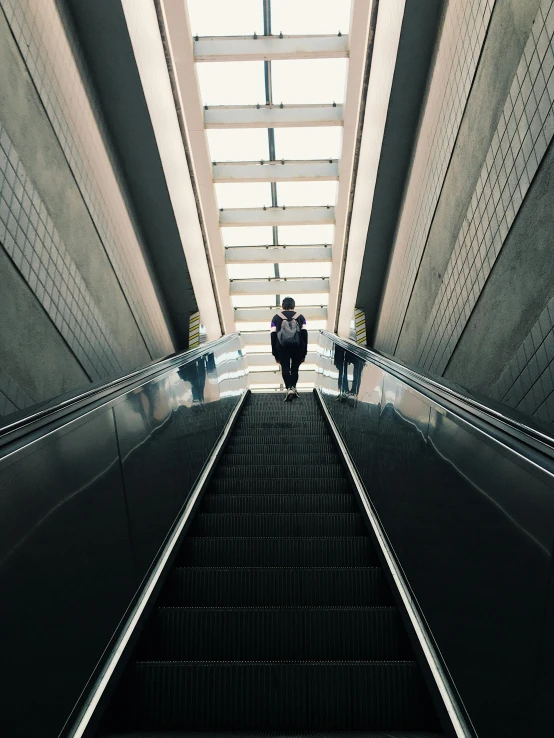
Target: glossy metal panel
66, 571
146, 421
470, 516
488, 545
86, 502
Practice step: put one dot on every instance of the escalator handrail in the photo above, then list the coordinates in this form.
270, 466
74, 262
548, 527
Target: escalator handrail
432, 388
84, 398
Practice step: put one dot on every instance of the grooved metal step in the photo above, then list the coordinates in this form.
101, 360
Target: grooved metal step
319, 551
261, 503
277, 486
303, 696
257, 586
308, 471
256, 444
279, 457
274, 633
287, 525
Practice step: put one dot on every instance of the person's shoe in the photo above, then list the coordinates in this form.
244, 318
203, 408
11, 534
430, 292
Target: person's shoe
288, 395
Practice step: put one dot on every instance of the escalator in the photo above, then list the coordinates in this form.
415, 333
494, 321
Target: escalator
276, 616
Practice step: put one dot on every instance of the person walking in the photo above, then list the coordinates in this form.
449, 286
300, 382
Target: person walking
289, 344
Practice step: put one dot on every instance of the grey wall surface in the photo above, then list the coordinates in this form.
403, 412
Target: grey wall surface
471, 272
82, 300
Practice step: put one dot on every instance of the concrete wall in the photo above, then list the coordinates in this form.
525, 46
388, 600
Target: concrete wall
78, 298
472, 267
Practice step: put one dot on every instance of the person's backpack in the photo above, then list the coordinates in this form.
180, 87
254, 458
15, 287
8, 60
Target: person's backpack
289, 335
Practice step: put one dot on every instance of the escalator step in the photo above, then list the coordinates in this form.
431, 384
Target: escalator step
274, 634
277, 486
281, 696
259, 586
279, 457
273, 734
274, 437
261, 503
322, 552
318, 443
273, 471
288, 414
288, 525
281, 427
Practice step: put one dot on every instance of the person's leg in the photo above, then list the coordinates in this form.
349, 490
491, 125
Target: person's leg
343, 378
284, 358
358, 368
295, 365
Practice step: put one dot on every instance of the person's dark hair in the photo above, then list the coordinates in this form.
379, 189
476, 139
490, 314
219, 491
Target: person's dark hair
288, 303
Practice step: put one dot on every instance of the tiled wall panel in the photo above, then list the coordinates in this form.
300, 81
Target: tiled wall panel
12, 397
524, 132
29, 236
527, 383
61, 81
464, 31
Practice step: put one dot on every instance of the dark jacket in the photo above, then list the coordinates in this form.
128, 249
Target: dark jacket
276, 327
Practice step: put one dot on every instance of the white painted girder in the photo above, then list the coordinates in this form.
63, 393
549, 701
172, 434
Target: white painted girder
274, 377
265, 314
277, 254
279, 286
267, 360
272, 116
265, 48
276, 171
280, 216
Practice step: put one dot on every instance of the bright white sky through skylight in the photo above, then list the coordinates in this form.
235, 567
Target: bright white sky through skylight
293, 82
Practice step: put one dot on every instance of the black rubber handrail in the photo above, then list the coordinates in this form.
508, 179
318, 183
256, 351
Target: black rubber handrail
57, 408
429, 386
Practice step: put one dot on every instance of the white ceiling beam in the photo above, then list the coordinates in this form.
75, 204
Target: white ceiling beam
279, 286
318, 215
186, 87
265, 314
277, 254
265, 48
151, 64
272, 116
383, 63
261, 341
267, 360
276, 171
360, 38
255, 338
274, 377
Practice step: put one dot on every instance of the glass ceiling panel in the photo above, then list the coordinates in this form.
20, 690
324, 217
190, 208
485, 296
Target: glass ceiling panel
309, 81
300, 235
265, 348
222, 18
307, 193
245, 144
236, 83
308, 143
305, 269
243, 195
309, 16
253, 271
248, 236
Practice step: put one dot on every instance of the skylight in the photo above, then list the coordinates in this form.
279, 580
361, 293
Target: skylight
236, 83
221, 18
309, 81
254, 91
